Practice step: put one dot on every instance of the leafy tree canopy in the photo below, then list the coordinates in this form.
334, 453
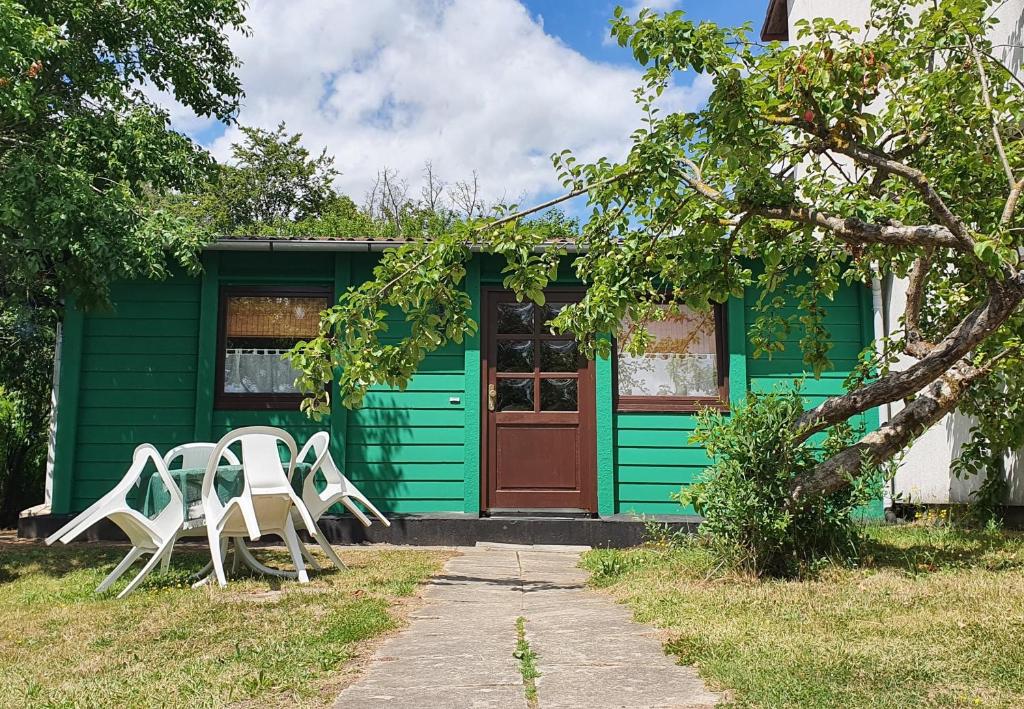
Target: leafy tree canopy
275, 187
82, 152
843, 158
81, 145
272, 181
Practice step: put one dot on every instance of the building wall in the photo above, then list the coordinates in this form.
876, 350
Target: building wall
138, 373
654, 456
407, 448
144, 372
128, 376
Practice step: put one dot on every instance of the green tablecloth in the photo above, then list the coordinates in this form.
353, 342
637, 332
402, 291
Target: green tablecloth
227, 483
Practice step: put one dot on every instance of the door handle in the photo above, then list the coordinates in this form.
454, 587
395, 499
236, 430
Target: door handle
492, 394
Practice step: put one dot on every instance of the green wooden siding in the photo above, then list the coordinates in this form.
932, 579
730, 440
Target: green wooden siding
471, 400
407, 449
144, 373
206, 358
137, 381
654, 457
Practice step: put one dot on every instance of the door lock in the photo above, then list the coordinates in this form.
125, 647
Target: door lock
491, 396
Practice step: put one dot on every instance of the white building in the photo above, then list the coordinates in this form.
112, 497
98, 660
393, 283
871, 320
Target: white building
924, 475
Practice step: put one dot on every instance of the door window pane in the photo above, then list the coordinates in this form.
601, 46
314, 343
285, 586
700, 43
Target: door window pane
515, 395
258, 331
558, 394
515, 356
515, 318
558, 356
550, 311
681, 361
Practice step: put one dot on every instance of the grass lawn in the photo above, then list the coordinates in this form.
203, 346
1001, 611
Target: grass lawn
933, 617
259, 642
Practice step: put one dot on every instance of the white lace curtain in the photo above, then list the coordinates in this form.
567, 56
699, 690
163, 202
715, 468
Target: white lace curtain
681, 361
690, 375
258, 371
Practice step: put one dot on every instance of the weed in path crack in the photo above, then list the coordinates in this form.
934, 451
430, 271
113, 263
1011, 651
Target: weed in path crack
527, 663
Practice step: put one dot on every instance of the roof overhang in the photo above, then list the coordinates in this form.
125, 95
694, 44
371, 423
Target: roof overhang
776, 21
329, 245
288, 244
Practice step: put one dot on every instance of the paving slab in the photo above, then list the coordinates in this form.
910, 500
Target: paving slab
458, 648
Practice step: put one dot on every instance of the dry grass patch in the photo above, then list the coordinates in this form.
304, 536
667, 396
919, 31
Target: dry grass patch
932, 617
260, 641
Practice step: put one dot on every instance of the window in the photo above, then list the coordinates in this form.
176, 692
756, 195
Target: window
257, 326
535, 370
683, 368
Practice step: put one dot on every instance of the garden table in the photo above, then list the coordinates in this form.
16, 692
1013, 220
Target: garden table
228, 484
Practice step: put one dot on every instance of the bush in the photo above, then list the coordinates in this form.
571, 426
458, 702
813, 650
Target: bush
742, 495
26, 361
22, 459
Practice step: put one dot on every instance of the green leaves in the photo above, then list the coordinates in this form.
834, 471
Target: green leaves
994, 254
784, 183
82, 154
82, 151
381, 330
272, 184
742, 495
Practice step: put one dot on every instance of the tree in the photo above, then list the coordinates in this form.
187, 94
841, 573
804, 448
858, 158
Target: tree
81, 145
26, 363
273, 179
276, 187
82, 152
271, 185
271, 182
794, 169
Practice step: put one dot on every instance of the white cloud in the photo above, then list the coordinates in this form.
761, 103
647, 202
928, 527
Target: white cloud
467, 84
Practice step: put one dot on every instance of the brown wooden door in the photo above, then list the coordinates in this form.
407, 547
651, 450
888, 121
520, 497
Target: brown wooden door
539, 446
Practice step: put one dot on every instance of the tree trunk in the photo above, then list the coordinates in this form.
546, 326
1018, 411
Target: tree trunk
934, 402
973, 329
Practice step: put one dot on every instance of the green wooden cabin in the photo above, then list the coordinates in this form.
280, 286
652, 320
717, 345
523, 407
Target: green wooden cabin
598, 440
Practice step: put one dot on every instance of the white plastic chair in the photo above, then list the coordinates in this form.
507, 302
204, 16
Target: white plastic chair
155, 536
338, 489
193, 455
266, 501
196, 455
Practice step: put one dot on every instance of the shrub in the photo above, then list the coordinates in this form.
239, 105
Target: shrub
26, 361
22, 458
742, 495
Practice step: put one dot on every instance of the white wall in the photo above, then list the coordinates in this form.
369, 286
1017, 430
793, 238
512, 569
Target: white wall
924, 474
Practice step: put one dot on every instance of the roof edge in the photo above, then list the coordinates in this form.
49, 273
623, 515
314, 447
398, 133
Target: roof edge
275, 244
776, 22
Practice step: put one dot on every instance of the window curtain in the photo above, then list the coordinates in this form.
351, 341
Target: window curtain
258, 371
681, 361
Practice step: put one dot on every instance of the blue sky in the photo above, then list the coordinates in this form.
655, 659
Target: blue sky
583, 24
486, 86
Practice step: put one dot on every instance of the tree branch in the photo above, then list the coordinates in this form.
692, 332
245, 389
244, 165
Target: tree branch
937, 400
1011, 204
552, 202
850, 230
499, 222
916, 345
1010, 207
886, 163
856, 231
995, 124
975, 327
912, 175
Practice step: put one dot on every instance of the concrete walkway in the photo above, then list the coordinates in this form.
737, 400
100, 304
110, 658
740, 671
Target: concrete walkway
458, 649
